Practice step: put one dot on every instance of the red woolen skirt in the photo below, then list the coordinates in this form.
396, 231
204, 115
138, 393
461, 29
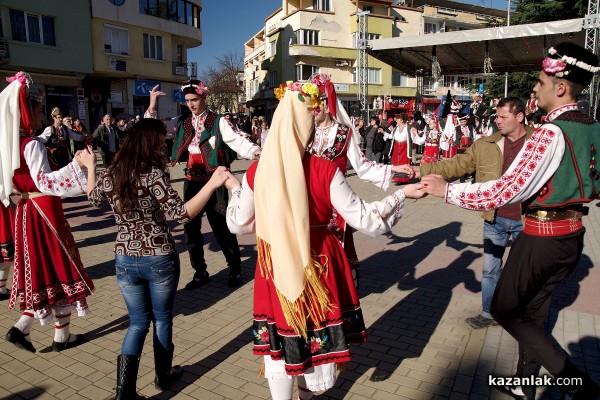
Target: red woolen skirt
7, 237
430, 154
48, 270
399, 157
327, 340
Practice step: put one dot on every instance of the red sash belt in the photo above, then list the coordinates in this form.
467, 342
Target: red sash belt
552, 227
196, 169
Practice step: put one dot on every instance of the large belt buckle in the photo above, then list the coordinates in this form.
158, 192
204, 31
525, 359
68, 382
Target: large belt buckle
542, 214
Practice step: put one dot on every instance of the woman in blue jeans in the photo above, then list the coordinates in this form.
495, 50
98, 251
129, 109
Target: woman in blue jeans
138, 189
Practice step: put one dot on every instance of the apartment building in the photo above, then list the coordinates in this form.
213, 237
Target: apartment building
307, 36
51, 40
92, 57
138, 44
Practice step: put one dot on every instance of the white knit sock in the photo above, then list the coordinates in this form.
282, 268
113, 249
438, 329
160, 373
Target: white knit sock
61, 328
4, 270
303, 392
25, 322
281, 389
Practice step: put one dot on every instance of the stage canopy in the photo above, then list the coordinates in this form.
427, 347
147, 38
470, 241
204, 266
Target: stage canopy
511, 48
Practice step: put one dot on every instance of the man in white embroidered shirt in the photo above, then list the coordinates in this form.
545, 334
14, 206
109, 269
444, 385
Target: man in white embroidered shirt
553, 175
204, 138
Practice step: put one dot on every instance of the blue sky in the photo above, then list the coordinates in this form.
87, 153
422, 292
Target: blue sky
228, 24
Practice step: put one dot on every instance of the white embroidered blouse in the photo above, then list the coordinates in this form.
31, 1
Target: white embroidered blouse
532, 168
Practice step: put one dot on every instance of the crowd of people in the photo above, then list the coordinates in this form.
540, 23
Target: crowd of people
530, 182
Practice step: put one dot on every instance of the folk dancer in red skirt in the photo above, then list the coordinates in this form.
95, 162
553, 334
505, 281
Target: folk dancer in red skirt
7, 245
306, 309
432, 139
49, 281
337, 141
464, 134
401, 147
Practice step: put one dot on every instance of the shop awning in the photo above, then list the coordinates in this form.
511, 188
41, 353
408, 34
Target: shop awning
511, 48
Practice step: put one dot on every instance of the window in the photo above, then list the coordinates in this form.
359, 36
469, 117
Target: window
303, 71
370, 36
116, 40
272, 79
153, 48
322, 5
399, 79
273, 48
33, 28
306, 36
429, 28
181, 11
373, 75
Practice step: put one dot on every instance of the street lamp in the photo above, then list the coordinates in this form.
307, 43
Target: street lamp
506, 73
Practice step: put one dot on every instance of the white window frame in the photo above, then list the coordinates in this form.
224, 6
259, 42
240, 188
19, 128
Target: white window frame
433, 28
123, 44
273, 48
158, 47
401, 78
300, 71
370, 36
307, 37
322, 5
39, 17
373, 76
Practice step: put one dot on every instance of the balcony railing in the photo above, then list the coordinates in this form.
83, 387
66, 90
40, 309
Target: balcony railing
4, 55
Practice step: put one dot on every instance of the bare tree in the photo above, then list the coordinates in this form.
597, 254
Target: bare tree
223, 81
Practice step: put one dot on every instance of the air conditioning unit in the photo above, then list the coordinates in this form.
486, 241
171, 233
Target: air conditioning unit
341, 63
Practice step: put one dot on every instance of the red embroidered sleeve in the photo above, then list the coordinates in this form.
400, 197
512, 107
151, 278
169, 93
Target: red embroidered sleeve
537, 162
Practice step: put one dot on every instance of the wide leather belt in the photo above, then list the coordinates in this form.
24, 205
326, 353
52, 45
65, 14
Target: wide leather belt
31, 195
544, 215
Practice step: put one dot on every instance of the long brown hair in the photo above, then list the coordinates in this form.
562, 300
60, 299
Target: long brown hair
142, 150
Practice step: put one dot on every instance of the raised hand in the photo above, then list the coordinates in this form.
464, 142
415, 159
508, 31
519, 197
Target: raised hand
154, 95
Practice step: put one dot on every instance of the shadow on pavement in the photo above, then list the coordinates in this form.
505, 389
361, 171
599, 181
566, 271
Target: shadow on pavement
32, 393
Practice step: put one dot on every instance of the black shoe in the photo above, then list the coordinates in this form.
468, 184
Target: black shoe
164, 381
196, 283
516, 392
15, 336
480, 322
234, 281
5, 296
60, 346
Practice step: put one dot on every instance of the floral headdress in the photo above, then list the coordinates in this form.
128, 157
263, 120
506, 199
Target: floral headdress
307, 89
198, 86
576, 67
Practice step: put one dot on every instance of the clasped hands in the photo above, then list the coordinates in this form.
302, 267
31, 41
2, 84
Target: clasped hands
433, 184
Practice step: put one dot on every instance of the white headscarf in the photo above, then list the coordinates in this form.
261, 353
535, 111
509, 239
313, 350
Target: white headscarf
281, 211
10, 123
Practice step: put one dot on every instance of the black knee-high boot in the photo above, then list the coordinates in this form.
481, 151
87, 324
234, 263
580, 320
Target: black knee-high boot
166, 373
127, 371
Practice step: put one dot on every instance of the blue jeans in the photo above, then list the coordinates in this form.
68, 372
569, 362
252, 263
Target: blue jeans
148, 285
495, 239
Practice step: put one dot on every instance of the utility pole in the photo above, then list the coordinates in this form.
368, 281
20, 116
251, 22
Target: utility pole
363, 62
591, 23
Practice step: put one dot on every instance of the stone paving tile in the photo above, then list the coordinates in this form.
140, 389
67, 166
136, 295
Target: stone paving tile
418, 284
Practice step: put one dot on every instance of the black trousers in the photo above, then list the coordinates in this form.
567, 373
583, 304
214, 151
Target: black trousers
521, 302
193, 234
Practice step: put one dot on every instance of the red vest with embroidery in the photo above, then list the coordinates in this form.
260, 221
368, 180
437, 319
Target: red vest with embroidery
337, 152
